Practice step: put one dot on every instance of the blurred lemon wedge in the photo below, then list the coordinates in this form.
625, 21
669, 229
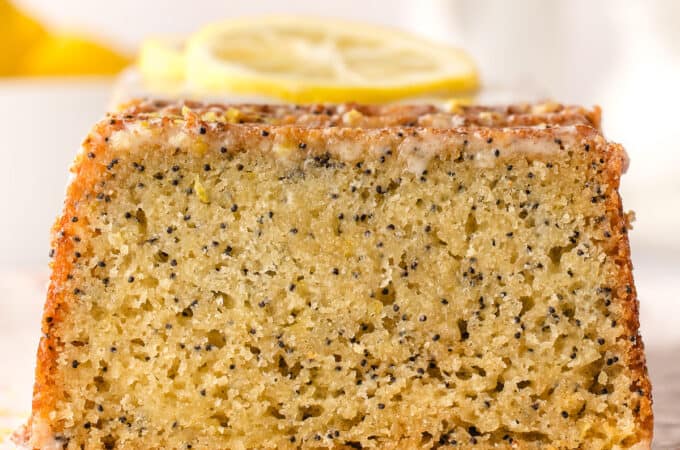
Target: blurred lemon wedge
28, 49
306, 60
64, 54
19, 33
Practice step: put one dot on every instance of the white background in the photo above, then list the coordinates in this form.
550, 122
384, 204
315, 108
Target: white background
622, 55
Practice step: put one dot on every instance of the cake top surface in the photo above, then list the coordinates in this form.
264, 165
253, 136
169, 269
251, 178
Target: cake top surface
352, 132
453, 115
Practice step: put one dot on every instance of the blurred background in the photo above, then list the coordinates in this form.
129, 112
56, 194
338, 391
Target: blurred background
622, 55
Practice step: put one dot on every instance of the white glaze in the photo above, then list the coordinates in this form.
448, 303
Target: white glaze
415, 148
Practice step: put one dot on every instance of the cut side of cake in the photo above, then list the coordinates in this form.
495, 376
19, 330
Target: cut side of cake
347, 276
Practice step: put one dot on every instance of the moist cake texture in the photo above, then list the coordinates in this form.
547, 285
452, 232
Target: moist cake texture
348, 276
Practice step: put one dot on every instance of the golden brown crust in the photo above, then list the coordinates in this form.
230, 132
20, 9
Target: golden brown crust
625, 292
295, 122
45, 392
375, 116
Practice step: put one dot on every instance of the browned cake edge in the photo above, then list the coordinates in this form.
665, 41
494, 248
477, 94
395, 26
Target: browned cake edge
87, 172
625, 290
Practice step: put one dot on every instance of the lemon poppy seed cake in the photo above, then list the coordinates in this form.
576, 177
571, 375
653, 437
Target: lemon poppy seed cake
347, 276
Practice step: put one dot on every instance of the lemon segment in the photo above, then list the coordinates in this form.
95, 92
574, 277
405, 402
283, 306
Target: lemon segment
161, 59
65, 54
20, 33
304, 60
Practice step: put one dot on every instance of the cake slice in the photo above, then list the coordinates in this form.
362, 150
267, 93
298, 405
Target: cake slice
394, 277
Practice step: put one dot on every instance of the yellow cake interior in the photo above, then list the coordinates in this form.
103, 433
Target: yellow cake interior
227, 300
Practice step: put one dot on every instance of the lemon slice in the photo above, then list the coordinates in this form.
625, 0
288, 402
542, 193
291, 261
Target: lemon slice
305, 60
162, 59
